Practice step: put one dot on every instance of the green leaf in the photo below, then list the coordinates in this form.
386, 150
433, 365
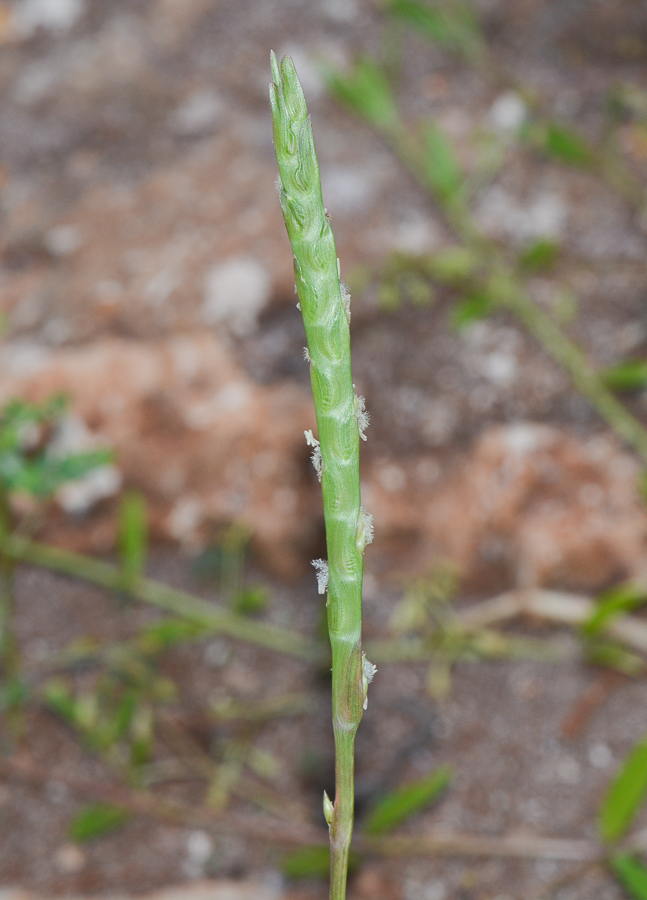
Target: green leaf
629, 375
452, 25
313, 862
251, 601
366, 91
96, 819
567, 146
625, 794
614, 656
388, 296
58, 697
133, 534
631, 874
441, 162
453, 266
540, 255
613, 603
167, 632
396, 807
14, 693
477, 306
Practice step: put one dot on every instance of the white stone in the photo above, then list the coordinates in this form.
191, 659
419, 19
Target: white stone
600, 756
499, 367
201, 112
80, 495
236, 292
55, 16
500, 214
508, 112
199, 847
63, 239
24, 357
340, 10
348, 189
568, 770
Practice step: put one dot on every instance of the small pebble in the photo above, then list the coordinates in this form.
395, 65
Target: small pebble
69, 859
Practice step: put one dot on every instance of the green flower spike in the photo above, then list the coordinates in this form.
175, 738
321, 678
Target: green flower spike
341, 422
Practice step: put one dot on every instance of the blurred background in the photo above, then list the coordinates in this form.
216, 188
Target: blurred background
484, 166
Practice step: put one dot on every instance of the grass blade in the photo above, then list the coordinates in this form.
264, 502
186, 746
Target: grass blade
625, 794
396, 807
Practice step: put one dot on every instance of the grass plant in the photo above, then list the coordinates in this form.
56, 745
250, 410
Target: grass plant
341, 421
488, 278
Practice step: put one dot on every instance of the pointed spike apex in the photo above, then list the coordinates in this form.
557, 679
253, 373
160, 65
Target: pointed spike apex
328, 809
276, 74
292, 91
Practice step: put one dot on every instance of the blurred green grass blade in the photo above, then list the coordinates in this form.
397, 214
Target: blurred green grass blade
397, 806
59, 699
629, 375
612, 603
567, 146
614, 656
453, 266
366, 91
631, 874
625, 794
169, 631
474, 307
133, 533
96, 819
313, 862
539, 255
441, 162
452, 25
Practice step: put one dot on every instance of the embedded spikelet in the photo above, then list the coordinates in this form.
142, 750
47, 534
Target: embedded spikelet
328, 809
345, 296
298, 306
362, 416
321, 568
306, 355
368, 674
278, 185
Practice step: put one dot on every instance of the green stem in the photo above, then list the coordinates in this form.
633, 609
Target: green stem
214, 618
9, 651
340, 422
508, 291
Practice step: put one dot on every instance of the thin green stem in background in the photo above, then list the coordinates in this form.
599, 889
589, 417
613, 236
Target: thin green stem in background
213, 617
10, 664
341, 420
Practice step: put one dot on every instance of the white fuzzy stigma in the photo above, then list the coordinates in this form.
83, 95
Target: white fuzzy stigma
317, 460
366, 520
362, 416
321, 568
